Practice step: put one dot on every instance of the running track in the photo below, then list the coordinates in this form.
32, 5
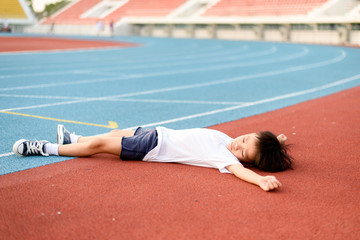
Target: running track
182, 83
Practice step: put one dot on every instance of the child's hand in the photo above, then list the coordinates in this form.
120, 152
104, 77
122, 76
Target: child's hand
282, 138
269, 183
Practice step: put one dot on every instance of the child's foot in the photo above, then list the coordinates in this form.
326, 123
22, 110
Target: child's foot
63, 135
25, 147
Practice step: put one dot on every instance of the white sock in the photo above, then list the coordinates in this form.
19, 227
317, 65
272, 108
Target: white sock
74, 138
52, 149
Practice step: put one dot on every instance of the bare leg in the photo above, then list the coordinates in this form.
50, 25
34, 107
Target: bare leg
114, 133
98, 144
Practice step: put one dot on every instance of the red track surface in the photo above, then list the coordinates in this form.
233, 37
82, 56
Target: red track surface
104, 198
16, 44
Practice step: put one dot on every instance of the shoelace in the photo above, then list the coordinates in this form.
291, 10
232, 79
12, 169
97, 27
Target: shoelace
35, 147
69, 133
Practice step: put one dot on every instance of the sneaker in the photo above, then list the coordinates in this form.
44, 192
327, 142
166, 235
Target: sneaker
63, 135
25, 147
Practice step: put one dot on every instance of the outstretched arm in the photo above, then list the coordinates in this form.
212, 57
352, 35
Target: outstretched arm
266, 183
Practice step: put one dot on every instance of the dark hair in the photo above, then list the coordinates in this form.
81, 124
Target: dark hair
274, 156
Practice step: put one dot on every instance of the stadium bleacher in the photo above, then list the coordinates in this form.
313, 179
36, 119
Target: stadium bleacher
11, 9
71, 15
311, 21
76, 14
262, 8
14, 15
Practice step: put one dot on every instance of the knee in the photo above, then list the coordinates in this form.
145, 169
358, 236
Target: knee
97, 143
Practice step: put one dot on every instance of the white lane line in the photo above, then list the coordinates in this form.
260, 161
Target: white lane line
282, 97
173, 101
236, 79
232, 54
87, 71
124, 99
208, 68
143, 59
267, 100
39, 96
195, 55
232, 58
6, 154
56, 51
163, 73
40, 73
50, 104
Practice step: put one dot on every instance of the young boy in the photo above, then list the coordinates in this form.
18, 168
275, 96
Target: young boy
198, 147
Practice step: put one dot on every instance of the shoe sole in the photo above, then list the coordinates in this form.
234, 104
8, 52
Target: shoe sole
16, 146
60, 134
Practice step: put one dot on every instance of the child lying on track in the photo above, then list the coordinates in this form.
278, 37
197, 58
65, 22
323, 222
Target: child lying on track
198, 147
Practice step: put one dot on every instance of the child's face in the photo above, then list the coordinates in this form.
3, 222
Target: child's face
244, 147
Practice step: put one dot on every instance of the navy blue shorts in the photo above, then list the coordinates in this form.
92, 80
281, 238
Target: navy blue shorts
137, 146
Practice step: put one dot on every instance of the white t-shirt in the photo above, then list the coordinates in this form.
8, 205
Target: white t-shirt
199, 147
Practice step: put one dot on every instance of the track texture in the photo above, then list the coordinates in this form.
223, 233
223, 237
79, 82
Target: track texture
35, 44
104, 198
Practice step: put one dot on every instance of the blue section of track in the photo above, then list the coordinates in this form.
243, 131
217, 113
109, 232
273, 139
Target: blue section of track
177, 83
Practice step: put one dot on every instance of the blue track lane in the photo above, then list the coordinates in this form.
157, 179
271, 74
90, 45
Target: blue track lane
177, 83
